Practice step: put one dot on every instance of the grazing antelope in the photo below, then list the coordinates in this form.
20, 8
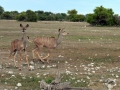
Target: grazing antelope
48, 42
19, 46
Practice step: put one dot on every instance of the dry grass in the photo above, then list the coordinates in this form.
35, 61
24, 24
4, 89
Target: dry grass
84, 45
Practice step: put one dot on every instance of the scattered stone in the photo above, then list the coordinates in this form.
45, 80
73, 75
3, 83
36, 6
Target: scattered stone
32, 63
1, 67
43, 67
110, 83
10, 72
32, 67
19, 84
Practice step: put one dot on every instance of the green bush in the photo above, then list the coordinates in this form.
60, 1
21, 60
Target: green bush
101, 16
21, 16
31, 16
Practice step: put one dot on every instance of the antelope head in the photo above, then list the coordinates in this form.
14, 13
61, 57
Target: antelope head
24, 28
62, 32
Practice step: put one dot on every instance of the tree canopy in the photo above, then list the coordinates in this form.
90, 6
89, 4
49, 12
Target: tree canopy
101, 16
73, 16
1, 10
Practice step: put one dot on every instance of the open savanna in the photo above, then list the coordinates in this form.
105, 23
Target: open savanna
86, 57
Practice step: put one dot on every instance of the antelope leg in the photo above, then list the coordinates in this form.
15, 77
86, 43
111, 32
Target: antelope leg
46, 56
14, 58
20, 60
9, 59
39, 56
26, 56
33, 52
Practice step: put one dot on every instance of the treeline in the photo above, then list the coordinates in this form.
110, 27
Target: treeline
101, 16
34, 16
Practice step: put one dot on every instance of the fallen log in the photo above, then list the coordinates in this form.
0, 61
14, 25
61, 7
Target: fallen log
56, 85
61, 86
76, 88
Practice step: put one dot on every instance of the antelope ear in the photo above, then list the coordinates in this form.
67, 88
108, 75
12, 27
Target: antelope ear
28, 37
21, 25
59, 30
27, 25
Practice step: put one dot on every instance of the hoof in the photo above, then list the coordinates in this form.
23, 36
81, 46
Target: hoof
33, 60
20, 69
16, 66
48, 61
30, 69
43, 62
7, 66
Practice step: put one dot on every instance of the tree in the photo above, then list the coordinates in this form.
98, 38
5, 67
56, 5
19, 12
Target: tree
104, 16
72, 14
1, 10
64, 16
6, 15
117, 19
21, 16
90, 19
60, 16
110, 19
79, 18
101, 16
14, 14
40, 15
31, 16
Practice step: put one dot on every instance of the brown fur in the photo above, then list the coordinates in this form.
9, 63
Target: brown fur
18, 46
48, 42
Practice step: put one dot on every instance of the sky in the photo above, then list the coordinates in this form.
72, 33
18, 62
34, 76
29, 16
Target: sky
60, 6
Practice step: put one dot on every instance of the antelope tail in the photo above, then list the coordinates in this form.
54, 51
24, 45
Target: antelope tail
29, 39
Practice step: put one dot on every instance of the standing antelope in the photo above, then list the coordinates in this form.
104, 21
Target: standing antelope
49, 42
19, 46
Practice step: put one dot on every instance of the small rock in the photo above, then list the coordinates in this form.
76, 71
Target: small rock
32, 67
19, 84
110, 83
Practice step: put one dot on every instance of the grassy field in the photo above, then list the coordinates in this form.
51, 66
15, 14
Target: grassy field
86, 57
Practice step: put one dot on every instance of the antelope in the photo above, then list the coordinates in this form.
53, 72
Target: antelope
48, 42
19, 46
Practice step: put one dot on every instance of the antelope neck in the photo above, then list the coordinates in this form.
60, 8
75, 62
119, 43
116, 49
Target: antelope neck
59, 39
24, 40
